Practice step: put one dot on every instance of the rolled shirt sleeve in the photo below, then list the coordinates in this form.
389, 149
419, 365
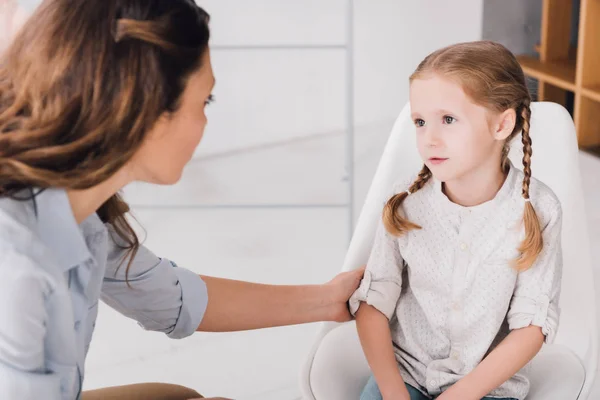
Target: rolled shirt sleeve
382, 282
536, 296
160, 296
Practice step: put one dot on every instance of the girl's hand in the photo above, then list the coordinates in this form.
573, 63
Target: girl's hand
444, 396
452, 395
396, 392
399, 395
212, 398
341, 288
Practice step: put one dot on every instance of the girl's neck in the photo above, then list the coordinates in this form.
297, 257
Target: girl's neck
476, 187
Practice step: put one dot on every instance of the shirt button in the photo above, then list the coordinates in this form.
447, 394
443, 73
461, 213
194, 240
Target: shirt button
463, 246
456, 306
454, 355
433, 383
77, 325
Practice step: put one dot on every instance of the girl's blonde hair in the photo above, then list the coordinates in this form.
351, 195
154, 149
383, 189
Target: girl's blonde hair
492, 77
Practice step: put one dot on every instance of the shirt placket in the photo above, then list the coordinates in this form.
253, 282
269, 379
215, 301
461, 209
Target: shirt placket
78, 283
460, 222
462, 259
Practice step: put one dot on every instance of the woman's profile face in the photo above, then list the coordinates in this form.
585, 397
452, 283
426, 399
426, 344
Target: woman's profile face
170, 144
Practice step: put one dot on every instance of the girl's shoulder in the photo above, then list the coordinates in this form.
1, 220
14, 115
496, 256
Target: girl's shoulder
415, 202
544, 200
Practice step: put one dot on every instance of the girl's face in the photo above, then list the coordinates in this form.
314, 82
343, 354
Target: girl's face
456, 138
170, 144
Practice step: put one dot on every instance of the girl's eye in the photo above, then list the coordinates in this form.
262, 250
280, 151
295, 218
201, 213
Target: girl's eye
449, 120
419, 122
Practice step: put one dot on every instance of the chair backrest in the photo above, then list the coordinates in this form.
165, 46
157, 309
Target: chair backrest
555, 162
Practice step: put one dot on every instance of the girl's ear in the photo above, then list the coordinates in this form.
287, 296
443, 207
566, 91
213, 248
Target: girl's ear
505, 124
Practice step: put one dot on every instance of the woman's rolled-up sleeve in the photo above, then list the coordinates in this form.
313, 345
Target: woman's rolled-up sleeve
160, 296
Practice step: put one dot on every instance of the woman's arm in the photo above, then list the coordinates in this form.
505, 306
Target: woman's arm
178, 302
235, 305
376, 340
512, 354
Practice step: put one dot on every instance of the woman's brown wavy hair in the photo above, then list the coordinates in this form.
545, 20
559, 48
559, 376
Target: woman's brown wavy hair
81, 85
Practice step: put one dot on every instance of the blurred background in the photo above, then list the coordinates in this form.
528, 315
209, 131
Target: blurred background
307, 92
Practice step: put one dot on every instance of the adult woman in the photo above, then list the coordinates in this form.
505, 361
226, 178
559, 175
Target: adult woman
96, 94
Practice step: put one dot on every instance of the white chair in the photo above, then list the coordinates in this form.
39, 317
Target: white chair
336, 368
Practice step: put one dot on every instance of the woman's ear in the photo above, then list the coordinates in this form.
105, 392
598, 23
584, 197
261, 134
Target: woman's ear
505, 124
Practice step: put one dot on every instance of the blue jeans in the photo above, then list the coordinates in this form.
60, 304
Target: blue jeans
371, 392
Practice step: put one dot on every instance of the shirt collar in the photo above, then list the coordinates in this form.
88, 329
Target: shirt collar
58, 229
504, 193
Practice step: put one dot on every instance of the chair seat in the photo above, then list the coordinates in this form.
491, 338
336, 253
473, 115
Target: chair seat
556, 373
339, 370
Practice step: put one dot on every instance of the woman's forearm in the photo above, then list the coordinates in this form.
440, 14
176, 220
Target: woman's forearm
376, 340
235, 305
512, 354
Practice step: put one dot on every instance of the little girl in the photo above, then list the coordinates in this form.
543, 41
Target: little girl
463, 281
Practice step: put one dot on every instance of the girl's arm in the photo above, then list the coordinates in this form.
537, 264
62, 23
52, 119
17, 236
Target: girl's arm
374, 304
376, 340
512, 354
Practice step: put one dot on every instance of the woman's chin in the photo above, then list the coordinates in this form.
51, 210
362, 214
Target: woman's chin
165, 179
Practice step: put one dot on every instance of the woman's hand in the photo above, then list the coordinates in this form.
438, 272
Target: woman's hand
341, 288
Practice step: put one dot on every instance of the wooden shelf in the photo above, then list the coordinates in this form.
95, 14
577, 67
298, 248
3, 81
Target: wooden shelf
587, 121
592, 92
563, 67
595, 150
572, 53
557, 73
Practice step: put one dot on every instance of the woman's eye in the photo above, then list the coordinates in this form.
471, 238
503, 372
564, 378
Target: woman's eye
209, 100
449, 120
419, 122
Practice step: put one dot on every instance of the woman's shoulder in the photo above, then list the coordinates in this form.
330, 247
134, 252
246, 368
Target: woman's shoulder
13, 210
17, 222
21, 250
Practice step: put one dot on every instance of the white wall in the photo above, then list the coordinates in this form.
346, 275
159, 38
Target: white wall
514, 23
266, 96
13, 13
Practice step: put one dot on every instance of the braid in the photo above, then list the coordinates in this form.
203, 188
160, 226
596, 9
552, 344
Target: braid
532, 245
421, 180
527, 152
394, 222
504, 159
